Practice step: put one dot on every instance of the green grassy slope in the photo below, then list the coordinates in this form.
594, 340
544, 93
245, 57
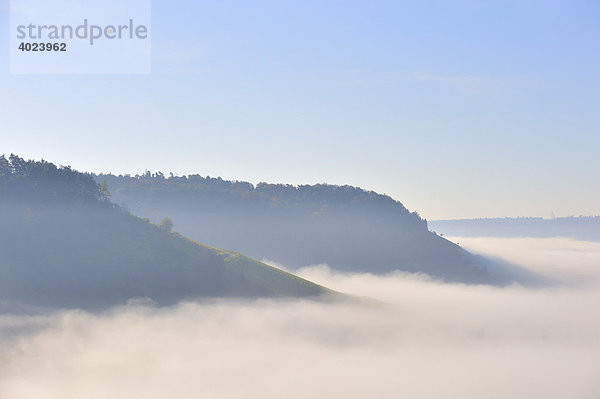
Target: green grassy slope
92, 257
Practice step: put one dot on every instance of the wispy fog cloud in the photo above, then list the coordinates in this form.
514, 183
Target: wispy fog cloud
567, 260
426, 340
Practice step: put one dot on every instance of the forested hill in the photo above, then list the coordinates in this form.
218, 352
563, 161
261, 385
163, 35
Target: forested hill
43, 183
345, 227
64, 244
239, 196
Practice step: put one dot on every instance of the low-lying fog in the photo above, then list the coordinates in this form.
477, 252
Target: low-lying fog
425, 340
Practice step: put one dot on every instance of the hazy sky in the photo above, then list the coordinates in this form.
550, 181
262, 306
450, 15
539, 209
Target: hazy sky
457, 109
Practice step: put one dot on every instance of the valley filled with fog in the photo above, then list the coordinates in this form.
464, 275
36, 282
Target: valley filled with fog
300, 200
412, 336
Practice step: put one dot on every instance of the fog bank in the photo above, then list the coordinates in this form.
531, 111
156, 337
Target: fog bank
425, 340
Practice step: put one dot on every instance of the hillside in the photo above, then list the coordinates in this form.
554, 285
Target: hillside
345, 227
585, 228
64, 244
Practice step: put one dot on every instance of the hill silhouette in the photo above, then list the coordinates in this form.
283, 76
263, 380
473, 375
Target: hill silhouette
64, 244
343, 226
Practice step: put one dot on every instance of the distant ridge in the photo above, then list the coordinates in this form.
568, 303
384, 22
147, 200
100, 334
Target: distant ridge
585, 228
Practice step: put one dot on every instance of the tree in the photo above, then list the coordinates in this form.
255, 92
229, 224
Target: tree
166, 224
104, 193
19, 165
4, 166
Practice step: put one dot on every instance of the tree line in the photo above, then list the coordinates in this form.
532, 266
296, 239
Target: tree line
41, 181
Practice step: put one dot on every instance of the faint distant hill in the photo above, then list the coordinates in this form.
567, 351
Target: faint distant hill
346, 227
64, 244
585, 228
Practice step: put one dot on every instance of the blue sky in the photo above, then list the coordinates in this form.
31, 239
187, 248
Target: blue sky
457, 109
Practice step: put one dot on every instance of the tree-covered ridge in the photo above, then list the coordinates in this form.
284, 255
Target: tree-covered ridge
313, 199
345, 227
44, 182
